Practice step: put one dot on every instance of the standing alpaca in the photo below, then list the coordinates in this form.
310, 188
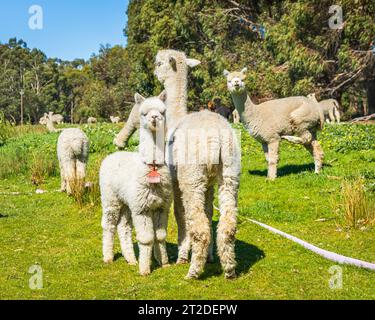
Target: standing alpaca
72, 152
115, 119
194, 178
56, 118
128, 196
329, 107
47, 120
203, 150
295, 119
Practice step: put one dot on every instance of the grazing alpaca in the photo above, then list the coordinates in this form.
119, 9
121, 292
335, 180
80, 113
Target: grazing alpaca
72, 152
295, 119
330, 108
129, 197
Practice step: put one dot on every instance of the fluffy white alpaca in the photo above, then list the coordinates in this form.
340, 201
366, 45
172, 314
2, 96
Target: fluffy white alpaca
56, 118
72, 152
330, 108
129, 197
92, 120
203, 151
115, 119
47, 120
295, 119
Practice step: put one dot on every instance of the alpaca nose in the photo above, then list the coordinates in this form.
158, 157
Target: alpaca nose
154, 117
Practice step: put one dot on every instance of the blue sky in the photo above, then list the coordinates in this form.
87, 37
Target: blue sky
71, 28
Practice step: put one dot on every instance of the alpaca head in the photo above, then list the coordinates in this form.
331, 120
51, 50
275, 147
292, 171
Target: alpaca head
152, 111
169, 62
43, 120
312, 96
236, 80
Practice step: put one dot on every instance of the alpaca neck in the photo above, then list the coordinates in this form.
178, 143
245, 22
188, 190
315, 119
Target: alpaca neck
244, 105
176, 88
151, 145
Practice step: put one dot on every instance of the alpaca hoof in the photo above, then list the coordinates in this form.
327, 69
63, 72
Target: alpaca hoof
182, 261
108, 260
145, 273
190, 276
132, 263
167, 265
271, 178
230, 275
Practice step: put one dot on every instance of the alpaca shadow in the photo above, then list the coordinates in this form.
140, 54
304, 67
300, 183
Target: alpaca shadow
3, 216
286, 170
246, 256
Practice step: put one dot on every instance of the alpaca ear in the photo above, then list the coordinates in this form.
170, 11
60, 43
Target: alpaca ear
138, 98
192, 62
163, 96
226, 73
244, 70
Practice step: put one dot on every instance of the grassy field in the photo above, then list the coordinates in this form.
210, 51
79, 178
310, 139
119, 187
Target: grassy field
51, 230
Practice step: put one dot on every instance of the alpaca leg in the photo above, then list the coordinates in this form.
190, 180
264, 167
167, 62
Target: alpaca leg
273, 154
209, 208
293, 139
144, 228
331, 116
183, 237
63, 179
124, 231
160, 246
70, 175
80, 174
198, 227
226, 231
317, 152
110, 219
265, 150
337, 115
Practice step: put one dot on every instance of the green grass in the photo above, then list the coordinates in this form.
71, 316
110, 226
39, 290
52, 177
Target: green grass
51, 230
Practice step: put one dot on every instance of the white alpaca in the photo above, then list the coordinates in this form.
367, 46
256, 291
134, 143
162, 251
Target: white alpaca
55, 118
47, 120
92, 120
72, 152
330, 108
129, 197
203, 150
295, 119
115, 119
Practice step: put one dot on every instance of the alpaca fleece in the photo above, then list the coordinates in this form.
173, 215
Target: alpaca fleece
72, 153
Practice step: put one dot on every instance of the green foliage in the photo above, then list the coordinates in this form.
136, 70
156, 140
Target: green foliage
346, 137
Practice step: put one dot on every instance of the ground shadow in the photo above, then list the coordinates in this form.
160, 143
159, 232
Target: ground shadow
3, 216
286, 170
246, 256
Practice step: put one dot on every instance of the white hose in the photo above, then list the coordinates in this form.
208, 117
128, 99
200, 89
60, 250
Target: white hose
324, 253
338, 258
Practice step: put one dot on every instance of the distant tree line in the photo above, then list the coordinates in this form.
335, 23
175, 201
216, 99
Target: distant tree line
287, 46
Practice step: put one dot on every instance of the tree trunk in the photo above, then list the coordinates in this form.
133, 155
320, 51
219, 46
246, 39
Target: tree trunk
370, 88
